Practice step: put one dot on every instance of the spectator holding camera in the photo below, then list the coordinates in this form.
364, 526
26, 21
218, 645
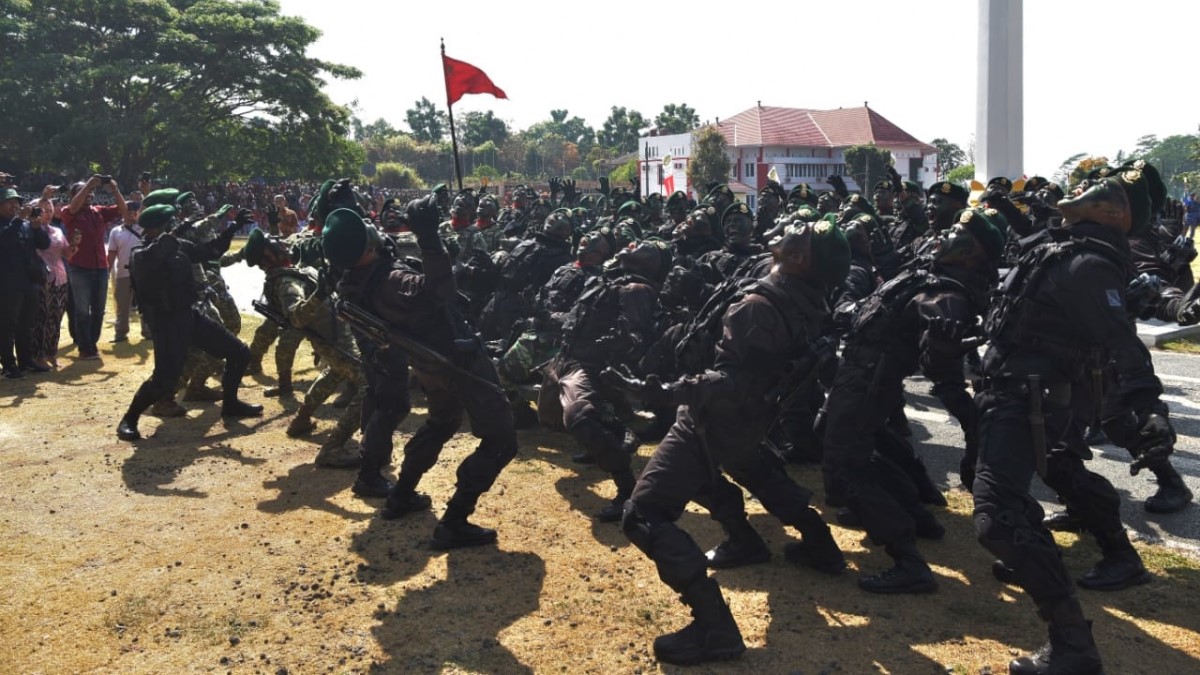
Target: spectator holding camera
87, 270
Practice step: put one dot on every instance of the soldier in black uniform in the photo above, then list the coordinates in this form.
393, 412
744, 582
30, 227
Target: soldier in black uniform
916, 320
167, 295
523, 273
723, 416
739, 246
613, 321
1061, 318
423, 305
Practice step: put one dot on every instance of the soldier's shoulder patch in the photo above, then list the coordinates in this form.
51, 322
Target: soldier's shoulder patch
1114, 297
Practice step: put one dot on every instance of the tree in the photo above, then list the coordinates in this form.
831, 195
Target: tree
1062, 176
622, 129
949, 156
867, 165
709, 163
131, 85
624, 174
476, 128
428, 124
1173, 156
961, 175
379, 127
397, 176
573, 130
676, 119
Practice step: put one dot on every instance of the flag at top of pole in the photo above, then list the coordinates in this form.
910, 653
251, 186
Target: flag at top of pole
464, 78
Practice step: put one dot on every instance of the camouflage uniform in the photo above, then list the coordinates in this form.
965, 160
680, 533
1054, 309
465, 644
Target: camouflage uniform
217, 304
292, 292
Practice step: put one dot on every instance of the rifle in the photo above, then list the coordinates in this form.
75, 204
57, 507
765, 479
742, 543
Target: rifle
421, 356
801, 371
280, 320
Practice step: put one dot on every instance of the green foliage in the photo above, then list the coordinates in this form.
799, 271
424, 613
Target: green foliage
961, 175
145, 84
1175, 157
709, 162
625, 173
476, 128
1063, 175
622, 129
378, 128
676, 119
428, 124
950, 156
485, 171
867, 165
396, 176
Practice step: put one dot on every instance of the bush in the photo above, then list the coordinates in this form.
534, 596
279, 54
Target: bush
397, 176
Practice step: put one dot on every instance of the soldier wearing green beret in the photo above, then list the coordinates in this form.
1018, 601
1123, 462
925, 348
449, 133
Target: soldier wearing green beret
677, 207
296, 294
739, 245
697, 235
723, 415
423, 306
915, 321
167, 296
523, 272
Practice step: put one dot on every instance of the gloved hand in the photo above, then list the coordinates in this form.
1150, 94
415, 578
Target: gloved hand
423, 217
243, 217
946, 335
1189, 307
225, 208
652, 390
555, 187
1157, 441
838, 185
569, 193
272, 215
604, 185
897, 181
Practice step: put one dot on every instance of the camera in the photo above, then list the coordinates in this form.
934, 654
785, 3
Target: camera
105, 179
145, 176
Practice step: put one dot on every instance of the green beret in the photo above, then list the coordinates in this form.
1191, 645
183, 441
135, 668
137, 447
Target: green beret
1000, 182
885, 185
319, 203
776, 188
859, 204
948, 189
630, 209
1154, 183
253, 249
183, 197
9, 193
802, 194
344, 238
913, 187
1137, 189
807, 213
166, 196
563, 210
677, 198
831, 253
720, 190
440, 187
734, 209
157, 216
987, 227
225, 208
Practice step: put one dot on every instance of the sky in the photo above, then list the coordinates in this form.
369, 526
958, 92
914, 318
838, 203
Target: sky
1099, 74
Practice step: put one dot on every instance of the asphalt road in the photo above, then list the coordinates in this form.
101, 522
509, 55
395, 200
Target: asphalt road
940, 439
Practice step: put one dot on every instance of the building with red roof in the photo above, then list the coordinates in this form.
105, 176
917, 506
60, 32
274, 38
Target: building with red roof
801, 145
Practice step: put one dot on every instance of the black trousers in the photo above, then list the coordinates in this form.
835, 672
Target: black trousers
174, 333
682, 470
17, 312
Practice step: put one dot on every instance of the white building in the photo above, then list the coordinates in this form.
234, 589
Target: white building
803, 146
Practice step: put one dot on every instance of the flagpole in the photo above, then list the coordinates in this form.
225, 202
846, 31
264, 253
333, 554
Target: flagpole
450, 110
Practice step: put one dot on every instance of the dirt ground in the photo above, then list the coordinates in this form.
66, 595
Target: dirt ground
213, 547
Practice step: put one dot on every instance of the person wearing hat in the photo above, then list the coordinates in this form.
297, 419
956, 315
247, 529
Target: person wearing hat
697, 235
1062, 315
723, 416
167, 296
87, 227
295, 294
739, 246
916, 321
771, 200
911, 221
942, 205
677, 208
486, 212
22, 275
423, 306
525, 270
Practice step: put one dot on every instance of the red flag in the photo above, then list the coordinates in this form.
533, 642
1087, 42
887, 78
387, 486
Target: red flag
464, 78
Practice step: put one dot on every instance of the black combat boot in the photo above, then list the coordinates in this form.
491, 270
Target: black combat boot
1172, 495
237, 408
712, 635
1121, 566
144, 398
400, 504
817, 549
282, 388
370, 483
910, 574
616, 508
741, 547
1071, 649
1063, 521
453, 530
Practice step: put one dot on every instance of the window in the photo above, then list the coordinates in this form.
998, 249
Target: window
750, 199
750, 170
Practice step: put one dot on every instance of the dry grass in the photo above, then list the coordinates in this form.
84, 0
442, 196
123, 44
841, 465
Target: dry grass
215, 548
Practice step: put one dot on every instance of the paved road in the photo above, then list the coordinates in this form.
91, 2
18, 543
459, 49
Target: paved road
941, 440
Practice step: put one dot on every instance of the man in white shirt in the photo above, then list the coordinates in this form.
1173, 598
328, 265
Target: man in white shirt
121, 242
